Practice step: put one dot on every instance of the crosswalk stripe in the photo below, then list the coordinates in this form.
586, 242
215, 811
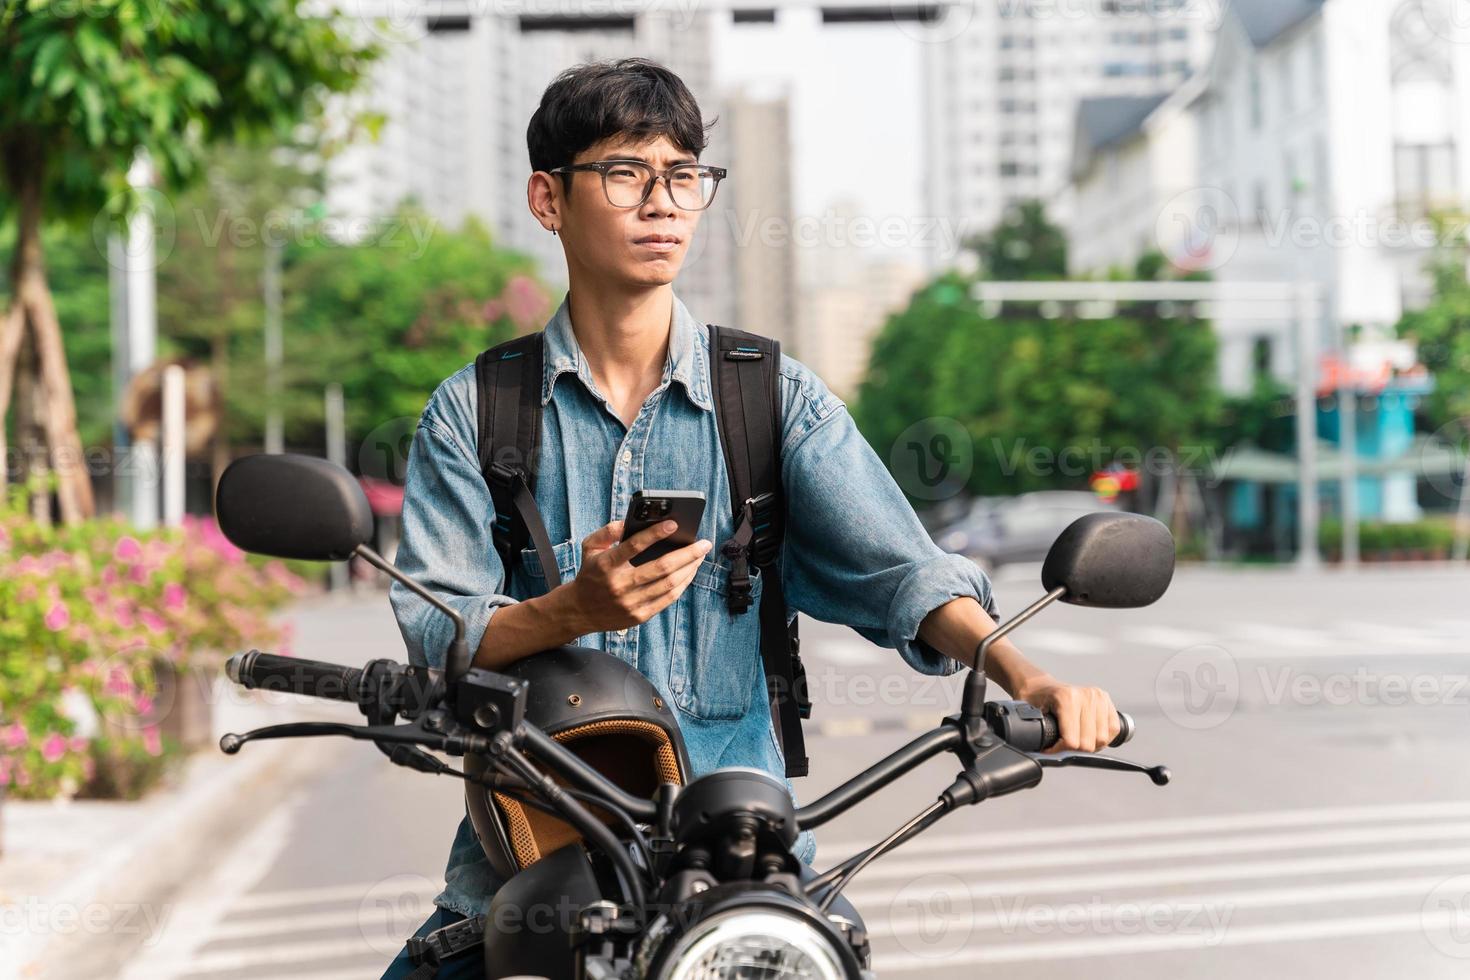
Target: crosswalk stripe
338, 919
1348, 926
1175, 875
356, 892
280, 954
898, 866
1341, 891
1063, 641
1112, 830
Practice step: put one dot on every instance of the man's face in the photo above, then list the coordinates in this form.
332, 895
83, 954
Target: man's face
609, 243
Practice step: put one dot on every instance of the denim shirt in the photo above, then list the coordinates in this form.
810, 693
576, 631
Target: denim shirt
854, 552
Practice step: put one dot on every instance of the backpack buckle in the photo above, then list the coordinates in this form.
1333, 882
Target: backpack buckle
738, 550
505, 475
446, 941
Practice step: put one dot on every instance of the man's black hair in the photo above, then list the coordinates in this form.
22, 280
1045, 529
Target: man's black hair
632, 97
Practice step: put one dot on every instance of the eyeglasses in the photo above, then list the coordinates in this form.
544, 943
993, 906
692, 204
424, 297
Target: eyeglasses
627, 183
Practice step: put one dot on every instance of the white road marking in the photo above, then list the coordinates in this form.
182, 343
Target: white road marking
1255, 898
960, 863
1185, 874
1074, 948
1113, 830
1064, 642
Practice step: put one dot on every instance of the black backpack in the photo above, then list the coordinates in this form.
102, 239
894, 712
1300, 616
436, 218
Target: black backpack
746, 372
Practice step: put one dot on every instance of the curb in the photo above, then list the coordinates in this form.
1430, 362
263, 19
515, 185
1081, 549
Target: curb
216, 799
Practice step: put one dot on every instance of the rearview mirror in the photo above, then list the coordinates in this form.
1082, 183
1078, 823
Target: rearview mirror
292, 506
1111, 560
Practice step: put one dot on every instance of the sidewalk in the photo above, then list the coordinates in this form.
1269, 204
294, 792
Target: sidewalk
83, 883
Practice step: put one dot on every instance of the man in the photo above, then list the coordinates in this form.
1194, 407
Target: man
627, 404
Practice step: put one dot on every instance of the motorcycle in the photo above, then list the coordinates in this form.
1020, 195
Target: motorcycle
698, 881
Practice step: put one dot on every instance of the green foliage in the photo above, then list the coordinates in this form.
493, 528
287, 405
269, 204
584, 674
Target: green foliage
84, 85
1442, 331
1379, 539
1141, 378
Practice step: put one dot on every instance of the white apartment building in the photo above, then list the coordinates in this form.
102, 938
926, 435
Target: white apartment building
1314, 144
1002, 87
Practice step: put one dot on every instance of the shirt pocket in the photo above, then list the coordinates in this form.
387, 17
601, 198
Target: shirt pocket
566, 563
716, 664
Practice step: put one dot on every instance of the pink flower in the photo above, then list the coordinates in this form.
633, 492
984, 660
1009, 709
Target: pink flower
152, 743
58, 618
4, 772
127, 549
109, 575
14, 735
173, 596
143, 705
53, 748
77, 743
122, 614
118, 683
139, 574
153, 621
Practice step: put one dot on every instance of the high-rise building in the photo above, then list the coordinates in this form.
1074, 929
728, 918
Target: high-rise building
759, 202
1001, 91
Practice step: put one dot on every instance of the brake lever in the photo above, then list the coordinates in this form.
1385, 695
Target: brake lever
421, 732
1088, 760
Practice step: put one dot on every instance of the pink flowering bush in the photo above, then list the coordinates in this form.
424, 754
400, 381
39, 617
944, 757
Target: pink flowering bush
87, 614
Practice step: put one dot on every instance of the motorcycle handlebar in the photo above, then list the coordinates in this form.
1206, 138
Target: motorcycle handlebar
1051, 732
313, 678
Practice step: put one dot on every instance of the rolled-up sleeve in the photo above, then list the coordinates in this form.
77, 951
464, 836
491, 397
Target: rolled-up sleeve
855, 552
445, 544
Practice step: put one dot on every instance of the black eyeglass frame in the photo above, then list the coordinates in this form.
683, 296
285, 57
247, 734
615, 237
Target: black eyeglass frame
601, 166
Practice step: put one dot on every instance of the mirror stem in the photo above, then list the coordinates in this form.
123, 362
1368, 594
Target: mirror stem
457, 662
1016, 620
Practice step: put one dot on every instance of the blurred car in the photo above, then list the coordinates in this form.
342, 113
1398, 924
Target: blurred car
1005, 530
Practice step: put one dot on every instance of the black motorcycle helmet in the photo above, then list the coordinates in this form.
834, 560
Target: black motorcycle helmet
606, 713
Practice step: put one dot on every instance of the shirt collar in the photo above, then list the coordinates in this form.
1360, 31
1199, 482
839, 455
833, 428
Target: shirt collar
686, 363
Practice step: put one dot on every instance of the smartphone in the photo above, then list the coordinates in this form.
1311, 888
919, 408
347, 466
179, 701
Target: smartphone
649, 507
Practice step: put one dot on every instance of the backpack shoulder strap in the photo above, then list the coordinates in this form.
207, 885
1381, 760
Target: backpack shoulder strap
746, 376
508, 384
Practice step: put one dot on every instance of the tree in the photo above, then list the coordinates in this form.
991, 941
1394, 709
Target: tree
83, 89
1039, 396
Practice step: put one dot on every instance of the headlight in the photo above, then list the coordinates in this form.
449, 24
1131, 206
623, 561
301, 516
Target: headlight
742, 944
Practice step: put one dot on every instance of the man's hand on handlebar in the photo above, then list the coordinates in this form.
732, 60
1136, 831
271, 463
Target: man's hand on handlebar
1086, 717
609, 593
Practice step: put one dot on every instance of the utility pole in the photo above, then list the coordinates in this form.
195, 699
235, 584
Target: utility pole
274, 426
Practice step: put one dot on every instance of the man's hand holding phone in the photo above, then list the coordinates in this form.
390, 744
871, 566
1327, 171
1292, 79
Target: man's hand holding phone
611, 593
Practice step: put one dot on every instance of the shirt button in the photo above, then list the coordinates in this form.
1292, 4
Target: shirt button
627, 455
623, 632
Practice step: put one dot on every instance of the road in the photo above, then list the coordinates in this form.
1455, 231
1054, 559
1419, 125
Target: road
1317, 824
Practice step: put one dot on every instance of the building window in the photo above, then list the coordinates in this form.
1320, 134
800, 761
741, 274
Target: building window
1261, 356
1424, 175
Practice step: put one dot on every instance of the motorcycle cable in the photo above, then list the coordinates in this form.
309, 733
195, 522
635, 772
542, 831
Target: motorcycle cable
507, 787
920, 823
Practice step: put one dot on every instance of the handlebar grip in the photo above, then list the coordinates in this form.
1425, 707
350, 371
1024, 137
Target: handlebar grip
313, 678
1050, 733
